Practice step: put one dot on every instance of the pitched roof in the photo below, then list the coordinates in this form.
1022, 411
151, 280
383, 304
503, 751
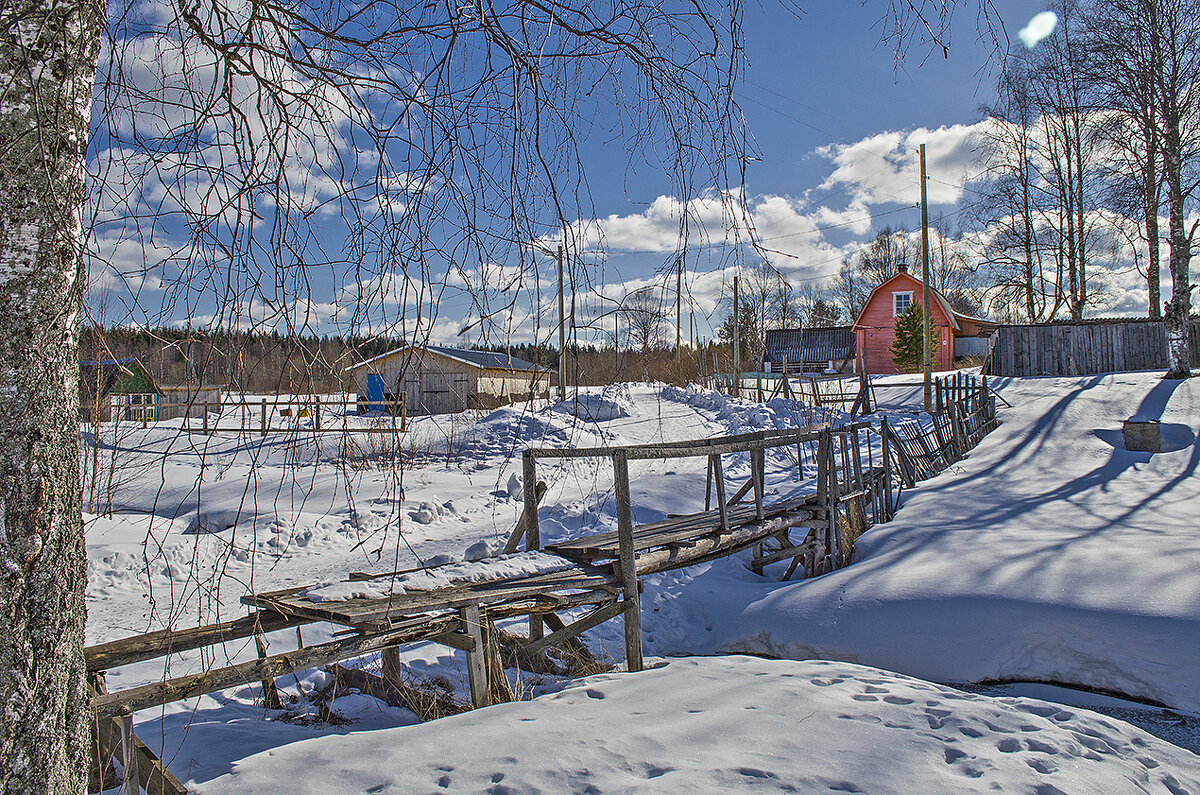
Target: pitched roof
105, 374
938, 298
489, 360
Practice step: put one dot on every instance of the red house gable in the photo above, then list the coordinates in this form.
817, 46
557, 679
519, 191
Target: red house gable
875, 326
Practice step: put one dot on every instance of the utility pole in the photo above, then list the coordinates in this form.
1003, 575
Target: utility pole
678, 304
737, 359
562, 332
616, 344
925, 297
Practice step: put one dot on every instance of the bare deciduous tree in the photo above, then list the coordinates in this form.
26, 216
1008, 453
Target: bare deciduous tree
1149, 54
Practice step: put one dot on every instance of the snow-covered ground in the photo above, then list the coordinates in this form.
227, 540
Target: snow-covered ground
1050, 553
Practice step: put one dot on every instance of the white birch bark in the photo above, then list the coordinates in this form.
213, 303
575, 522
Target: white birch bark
48, 54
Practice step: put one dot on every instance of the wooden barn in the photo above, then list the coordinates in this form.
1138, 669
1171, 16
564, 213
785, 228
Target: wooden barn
435, 380
954, 334
808, 350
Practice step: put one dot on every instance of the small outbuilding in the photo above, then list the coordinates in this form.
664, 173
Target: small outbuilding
119, 389
435, 380
807, 350
954, 333
123, 390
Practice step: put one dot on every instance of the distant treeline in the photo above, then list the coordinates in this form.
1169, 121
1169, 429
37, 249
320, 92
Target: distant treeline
268, 363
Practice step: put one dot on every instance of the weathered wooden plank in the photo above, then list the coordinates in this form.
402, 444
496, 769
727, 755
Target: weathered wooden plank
790, 552
107, 705
671, 531
159, 643
689, 448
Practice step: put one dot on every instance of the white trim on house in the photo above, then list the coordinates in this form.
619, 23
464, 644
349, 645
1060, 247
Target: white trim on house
898, 310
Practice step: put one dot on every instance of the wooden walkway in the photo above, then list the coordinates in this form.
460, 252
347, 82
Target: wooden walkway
600, 572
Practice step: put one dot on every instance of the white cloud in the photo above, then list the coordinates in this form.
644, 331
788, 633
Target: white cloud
1041, 26
884, 168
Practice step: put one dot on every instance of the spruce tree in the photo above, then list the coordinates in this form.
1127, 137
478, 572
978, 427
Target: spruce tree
909, 346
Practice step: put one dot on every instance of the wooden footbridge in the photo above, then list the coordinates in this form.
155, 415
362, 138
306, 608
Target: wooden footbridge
851, 474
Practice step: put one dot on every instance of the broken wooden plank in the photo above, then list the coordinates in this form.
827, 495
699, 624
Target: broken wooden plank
570, 631
523, 523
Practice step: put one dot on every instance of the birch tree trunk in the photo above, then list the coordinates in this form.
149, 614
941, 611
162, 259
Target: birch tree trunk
48, 54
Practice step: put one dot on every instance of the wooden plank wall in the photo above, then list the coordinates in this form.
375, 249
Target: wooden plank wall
1066, 349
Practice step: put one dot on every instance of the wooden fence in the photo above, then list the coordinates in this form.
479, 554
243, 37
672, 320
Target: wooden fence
965, 411
1066, 349
274, 415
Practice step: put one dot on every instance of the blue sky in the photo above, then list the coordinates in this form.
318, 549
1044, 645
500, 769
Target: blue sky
835, 121
835, 118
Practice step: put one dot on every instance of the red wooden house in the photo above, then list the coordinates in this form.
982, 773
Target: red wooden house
875, 326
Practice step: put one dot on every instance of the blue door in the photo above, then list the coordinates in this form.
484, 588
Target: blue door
374, 392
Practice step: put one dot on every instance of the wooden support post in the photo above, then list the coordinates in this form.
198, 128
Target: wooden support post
628, 561
499, 689
477, 677
205, 418
886, 445
757, 478
708, 485
317, 413
859, 482
270, 691
129, 759
757, 467
533, 533
719, 480
263, 424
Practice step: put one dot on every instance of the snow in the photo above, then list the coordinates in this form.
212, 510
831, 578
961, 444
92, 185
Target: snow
735, 724
1050, 554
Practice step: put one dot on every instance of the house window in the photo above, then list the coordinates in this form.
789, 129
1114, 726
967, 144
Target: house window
900, 302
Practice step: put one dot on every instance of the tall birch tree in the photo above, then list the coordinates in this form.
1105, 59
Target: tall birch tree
48, 54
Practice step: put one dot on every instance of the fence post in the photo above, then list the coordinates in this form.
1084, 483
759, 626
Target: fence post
758, 484
263, 424
719, 480
317, 414
957, 435
533, 533
835, 545
206, 417
886, 448
627, 562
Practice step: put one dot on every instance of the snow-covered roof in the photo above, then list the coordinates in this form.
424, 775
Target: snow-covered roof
484, 360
